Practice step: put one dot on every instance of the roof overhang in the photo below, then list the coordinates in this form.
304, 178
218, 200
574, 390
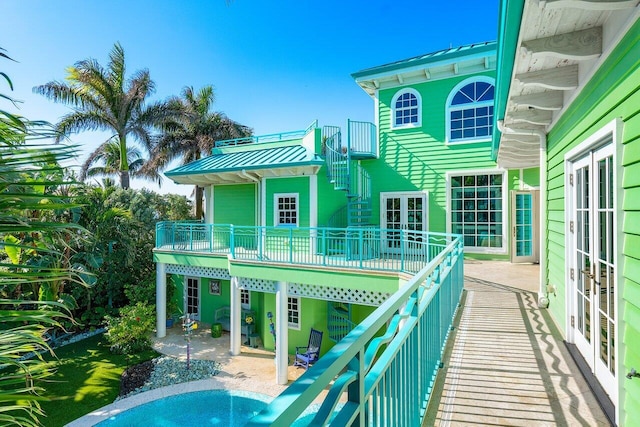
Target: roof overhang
247, 166
433, 66
547, 50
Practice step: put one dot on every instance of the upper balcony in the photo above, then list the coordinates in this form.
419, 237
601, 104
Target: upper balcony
357, 248
295, 136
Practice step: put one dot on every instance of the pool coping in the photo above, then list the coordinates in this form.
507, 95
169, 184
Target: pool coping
125, 404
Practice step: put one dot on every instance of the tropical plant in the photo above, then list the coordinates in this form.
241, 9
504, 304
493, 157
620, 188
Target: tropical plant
129, 332
192, 134
105, 99
26, 200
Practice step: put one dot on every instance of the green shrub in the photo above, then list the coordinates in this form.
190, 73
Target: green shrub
130, 332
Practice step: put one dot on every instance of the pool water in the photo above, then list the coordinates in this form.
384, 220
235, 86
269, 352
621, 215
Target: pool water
202, 408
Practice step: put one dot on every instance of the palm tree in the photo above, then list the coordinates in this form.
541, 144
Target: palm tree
193, 133
105, 162
106, 100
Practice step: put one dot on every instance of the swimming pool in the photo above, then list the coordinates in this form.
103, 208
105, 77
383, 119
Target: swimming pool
201, 408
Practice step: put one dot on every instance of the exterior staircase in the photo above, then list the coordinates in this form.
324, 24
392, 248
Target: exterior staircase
339, 322
346, 173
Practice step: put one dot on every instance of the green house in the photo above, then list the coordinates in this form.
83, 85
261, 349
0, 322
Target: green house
568, 97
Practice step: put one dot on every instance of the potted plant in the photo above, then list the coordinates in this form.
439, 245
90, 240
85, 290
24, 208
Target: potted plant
172, 312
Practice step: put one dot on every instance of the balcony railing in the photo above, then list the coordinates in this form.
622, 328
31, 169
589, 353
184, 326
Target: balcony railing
358, 247
387, 380
361, 139
272, 137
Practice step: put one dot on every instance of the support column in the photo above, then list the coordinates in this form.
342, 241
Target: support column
235, 321
208, 204
161, 300
282, 330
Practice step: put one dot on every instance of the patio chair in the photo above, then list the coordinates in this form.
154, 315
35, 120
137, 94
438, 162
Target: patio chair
306, 356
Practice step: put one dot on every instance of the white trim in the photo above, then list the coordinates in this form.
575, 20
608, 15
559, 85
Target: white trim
263, 202
276, 196
504, 250
376, 120
598, 139
447, 110
392, 109
295, 326
313, 201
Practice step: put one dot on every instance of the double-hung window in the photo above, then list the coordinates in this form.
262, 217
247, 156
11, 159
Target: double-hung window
293, 308
286, 210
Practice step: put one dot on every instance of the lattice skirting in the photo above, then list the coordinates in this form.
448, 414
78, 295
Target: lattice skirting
328, 293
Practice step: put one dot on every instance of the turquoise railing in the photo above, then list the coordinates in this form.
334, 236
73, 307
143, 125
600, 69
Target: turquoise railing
272, 137
361, 138
358, 247
387, 379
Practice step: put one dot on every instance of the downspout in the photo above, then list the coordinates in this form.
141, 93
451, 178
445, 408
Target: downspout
543, 300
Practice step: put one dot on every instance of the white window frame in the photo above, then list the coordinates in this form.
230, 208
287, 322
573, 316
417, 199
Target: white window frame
245, 293
295, 326
397, 95
505, 212
276, 210
448, 109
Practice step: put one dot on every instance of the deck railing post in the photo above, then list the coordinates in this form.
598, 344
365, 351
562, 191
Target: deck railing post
232, 248
402, 245
290, 244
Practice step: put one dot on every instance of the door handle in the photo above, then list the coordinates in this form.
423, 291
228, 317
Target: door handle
588, 274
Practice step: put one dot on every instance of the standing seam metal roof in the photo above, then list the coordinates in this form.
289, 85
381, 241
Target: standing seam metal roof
295, 155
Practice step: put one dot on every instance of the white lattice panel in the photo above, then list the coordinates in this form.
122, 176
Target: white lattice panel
196, 271
354, 296
268, 286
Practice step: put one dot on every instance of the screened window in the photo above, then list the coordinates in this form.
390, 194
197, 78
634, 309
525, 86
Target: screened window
476, 209
405, 109
293, 306
286, 210
470, 112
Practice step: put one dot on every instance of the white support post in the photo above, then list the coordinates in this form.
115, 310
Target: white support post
235, 321
208, 205
282, 330
161, 300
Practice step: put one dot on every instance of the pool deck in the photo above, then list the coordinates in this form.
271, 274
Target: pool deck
506, 365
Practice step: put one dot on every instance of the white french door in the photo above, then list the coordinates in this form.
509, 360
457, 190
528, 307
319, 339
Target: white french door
592, 263
403, 214
192, 297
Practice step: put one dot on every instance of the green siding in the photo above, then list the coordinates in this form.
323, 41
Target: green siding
613, 92
531, 177
234, 204
298, 185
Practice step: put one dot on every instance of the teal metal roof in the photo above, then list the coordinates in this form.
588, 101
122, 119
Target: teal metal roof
268, 158
508, 31
441, 55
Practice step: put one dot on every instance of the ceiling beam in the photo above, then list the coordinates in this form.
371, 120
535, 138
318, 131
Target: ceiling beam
578, 45
561, 78
427, 73
523, 139
534, 116
551, 100
400, 79
589, 4
376, 83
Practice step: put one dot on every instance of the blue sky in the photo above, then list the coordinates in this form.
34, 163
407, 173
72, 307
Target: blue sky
275, 65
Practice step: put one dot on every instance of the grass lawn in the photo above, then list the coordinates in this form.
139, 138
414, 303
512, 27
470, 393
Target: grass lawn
87, 378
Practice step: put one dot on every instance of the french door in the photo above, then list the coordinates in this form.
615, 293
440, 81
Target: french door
524, 221
404, 216
192, 297
593, 265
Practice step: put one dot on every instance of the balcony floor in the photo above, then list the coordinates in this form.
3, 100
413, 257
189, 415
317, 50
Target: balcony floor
507, 364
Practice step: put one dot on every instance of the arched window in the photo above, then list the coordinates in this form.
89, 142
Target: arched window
406, 109
470, 111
